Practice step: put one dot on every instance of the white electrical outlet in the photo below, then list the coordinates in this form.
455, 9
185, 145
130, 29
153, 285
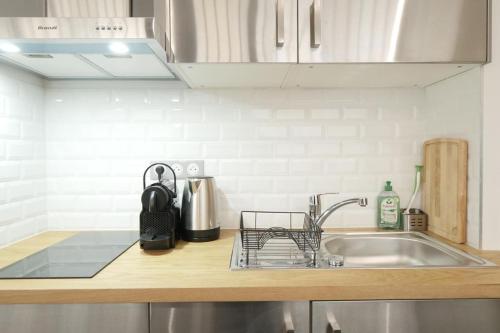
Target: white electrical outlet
178, 169
193, 170
182, 169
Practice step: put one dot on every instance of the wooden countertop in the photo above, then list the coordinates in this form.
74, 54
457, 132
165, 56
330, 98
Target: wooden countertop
200, 272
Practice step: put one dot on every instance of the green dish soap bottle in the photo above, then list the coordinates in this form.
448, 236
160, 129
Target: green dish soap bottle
388, 209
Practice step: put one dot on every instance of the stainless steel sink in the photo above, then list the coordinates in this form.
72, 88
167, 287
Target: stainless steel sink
400, 249
359, 250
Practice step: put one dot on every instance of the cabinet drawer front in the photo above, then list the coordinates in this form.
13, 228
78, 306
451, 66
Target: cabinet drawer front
344, 31
449, 316
74, 318
244, 317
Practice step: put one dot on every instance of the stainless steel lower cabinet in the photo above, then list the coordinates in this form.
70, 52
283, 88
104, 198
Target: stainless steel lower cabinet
244, 317
74, 318
449, 316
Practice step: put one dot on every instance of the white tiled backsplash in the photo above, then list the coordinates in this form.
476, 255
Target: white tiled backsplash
22, 156
269, 149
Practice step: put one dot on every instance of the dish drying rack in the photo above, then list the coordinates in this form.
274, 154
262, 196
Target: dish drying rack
278, 236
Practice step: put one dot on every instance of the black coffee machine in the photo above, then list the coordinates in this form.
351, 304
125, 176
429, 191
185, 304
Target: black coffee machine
160, 218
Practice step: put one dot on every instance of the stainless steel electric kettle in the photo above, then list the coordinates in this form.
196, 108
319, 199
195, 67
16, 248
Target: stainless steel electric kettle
199, 210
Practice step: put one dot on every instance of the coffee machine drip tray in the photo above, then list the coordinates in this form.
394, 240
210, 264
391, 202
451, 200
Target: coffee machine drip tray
80, 256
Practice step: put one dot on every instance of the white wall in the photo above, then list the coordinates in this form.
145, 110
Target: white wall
22, 153
454, 110
491, 140
269, 149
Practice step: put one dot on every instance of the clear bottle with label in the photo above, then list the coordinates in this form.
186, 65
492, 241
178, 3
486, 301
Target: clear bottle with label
388, 215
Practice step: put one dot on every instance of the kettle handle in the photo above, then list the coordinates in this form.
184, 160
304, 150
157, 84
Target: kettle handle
159, 180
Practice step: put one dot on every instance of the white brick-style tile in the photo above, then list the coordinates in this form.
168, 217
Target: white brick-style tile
20, 190
325, 114
166, 131
146, 115
227, 184
237, 167
359, 148
179, 150
290, 149
301, 131
2, 150
261, 115
375, 165
323, 149
257, 150
200, 132
272, 132
290, 114
272, 202
398, 148
290, 185
221, 149
359, 114
306, 167
275, 167
255, 185
346, 166
383, 130
342, 131
186, 114
10, 128
324, 184
238, 132
220, 114
359, 184
10, 213
9, 171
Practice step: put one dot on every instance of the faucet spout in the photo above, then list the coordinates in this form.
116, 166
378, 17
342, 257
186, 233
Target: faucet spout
320, 220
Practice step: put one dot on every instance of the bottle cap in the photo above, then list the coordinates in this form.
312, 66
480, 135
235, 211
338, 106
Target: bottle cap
388, 186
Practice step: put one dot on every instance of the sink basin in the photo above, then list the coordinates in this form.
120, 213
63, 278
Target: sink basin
395, 249
357, 250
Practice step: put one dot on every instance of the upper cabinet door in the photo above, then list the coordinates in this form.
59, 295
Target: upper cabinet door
346, 31
234, 31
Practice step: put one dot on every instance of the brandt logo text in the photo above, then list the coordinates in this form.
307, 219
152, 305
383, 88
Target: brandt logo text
44, 27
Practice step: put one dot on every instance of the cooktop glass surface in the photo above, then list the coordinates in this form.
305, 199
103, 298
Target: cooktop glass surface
80, 256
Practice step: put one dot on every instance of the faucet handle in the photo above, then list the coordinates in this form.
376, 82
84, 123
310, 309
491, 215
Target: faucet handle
315, 203
316, 198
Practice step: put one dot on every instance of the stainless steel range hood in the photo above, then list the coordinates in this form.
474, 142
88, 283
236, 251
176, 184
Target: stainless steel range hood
86, 38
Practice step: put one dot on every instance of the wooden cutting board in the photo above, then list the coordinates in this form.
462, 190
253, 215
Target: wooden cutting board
445, 187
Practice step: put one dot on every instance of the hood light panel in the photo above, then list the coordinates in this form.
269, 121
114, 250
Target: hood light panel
119, 48
9, 48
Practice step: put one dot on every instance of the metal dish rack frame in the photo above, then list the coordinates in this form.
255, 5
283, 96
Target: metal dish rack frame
253, 237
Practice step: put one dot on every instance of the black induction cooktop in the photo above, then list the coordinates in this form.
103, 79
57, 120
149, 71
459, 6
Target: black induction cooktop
80, 256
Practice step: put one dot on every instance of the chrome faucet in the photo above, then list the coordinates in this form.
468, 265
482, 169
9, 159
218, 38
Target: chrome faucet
315, 207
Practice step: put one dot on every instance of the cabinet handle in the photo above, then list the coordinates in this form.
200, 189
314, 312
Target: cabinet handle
280, 23
333, 325
315, 12
288, 323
